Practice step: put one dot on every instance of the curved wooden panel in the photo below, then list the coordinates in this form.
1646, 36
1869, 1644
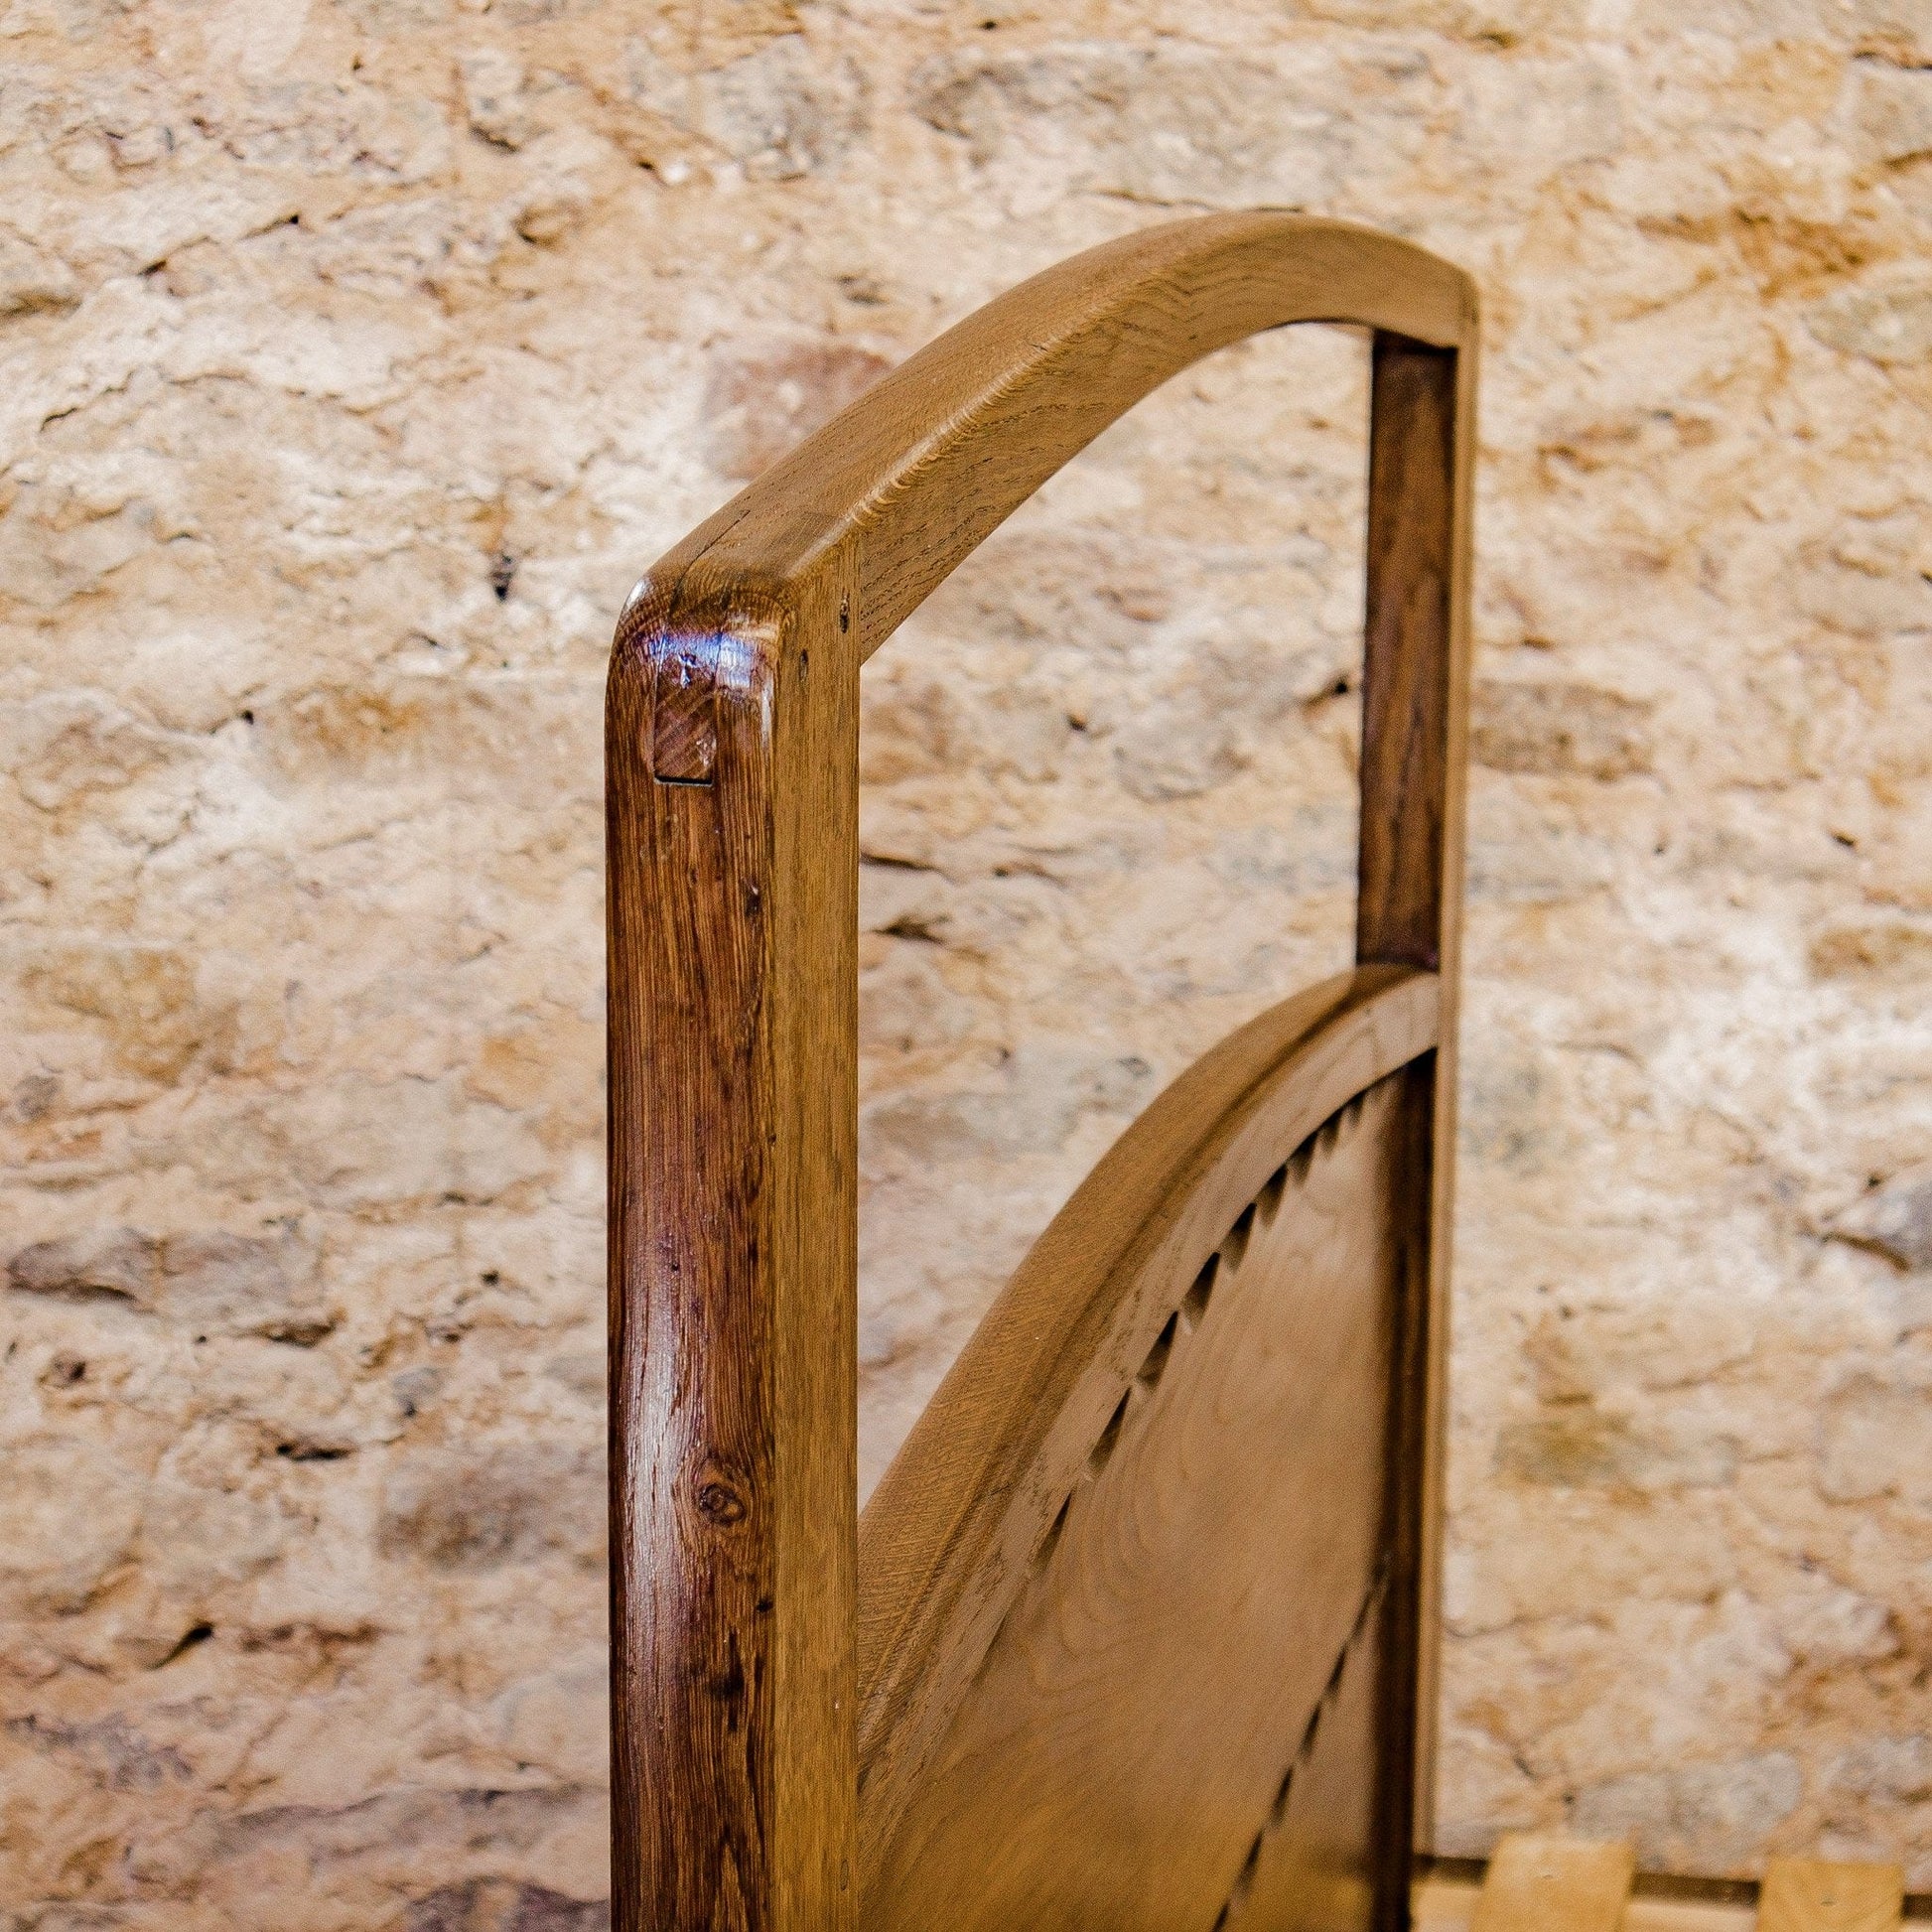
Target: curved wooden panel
1115, 1755
952, 1533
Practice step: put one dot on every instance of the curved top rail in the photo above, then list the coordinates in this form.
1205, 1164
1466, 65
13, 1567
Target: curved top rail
934, 457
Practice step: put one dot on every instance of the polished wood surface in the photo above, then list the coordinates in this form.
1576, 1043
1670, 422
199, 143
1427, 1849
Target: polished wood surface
733, 1313
1555, 1884
1826, 1896
1410, 734
939, 453
1315, 1862
1208, 1565
739, 1621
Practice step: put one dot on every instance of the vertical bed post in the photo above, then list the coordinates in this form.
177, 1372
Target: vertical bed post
1414, 726
732, 760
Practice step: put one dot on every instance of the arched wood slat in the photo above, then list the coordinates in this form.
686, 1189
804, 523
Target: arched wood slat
1107, 1584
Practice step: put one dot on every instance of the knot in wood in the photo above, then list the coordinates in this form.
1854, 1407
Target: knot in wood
719, 1502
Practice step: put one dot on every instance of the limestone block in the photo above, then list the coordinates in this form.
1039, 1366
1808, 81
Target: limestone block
1167, 123
71, 1512
1894, 1217
477, 1509
208, 1281
1734, 1804
781, 110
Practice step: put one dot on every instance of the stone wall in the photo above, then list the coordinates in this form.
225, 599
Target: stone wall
358, 353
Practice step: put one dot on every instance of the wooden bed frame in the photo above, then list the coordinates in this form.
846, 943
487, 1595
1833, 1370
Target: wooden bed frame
1139, 1629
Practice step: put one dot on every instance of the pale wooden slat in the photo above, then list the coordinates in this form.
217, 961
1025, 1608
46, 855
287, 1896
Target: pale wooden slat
1664, 1912
1445, 1903
1823, 1895
1555, 1884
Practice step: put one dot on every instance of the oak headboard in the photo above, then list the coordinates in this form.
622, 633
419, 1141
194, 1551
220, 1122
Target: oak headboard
1138, 1630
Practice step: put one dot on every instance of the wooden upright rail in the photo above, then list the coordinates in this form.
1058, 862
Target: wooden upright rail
731, 756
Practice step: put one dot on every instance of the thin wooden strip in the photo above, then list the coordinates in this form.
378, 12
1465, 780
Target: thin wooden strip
1412, 678
1555, 1884
1659, 1911
1823, 1895
1409, 903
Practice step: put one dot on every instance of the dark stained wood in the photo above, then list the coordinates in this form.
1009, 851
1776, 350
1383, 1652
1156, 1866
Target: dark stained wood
738, 1618
683, 715
1209, 1561
1404, 1764
1407, 672
734, 919
1409, 897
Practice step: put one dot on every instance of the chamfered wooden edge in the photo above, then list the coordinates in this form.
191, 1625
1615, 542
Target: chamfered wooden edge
942, 450
1414, 773
946, 1538
1431, 1509
733, 926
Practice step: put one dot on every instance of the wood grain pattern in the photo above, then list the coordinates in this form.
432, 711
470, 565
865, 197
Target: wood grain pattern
733, 1301
1316, 1863
1409, 903
1407, 683
939, 453
950, 1533
1447, 1903
1134, 1716
1555, 1884
1823, 1895
732, 790
1445, 1900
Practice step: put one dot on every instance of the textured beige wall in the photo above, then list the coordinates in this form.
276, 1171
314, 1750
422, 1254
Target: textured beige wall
357, 354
